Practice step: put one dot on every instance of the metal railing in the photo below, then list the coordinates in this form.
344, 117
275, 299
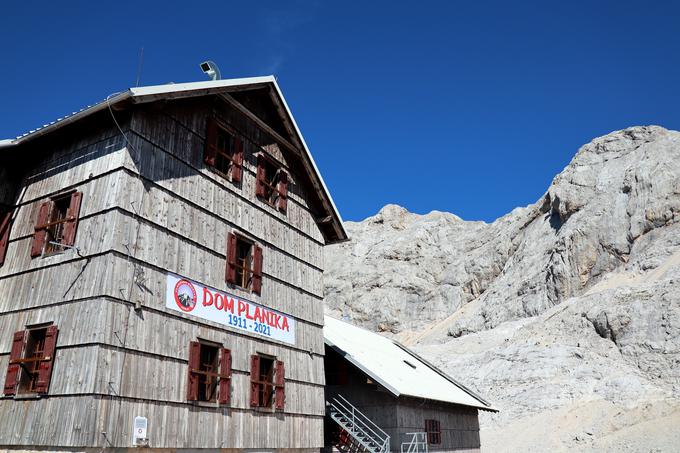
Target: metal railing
417, 444
358, 426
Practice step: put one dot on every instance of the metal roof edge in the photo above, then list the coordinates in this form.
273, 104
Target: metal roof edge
358, 364
7, 143
154, 90
487, 405
110, 100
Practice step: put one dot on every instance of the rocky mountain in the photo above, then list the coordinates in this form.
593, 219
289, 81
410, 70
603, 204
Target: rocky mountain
565, 313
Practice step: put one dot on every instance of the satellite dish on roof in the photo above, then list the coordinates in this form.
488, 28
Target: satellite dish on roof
211, 69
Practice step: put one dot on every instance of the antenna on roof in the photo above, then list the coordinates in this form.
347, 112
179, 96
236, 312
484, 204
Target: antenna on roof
211, 69
139, 66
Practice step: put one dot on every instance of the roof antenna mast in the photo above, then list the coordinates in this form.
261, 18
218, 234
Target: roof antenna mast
211, 70
139, 65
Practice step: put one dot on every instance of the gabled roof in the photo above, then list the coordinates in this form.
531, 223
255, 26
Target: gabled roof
146, 94
395, 367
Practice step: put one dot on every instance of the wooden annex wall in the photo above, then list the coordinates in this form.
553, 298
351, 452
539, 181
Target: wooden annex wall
151, 207
398, 416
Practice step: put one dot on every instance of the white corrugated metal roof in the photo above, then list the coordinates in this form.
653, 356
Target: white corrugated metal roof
395, 367
175, 90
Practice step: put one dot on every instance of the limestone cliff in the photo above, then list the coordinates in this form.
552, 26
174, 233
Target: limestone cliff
563, 309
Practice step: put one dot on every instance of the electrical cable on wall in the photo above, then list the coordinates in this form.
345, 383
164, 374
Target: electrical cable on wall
131, 245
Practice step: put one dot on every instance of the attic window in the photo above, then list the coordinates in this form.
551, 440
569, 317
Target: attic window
410, 364
223, 151
272, 183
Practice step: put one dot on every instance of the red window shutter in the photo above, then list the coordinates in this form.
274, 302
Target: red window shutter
45, 368
237, 165
40, 231
280, 383
13, 369
5, 224
210, 152
231, 258
194, 364
282, 201
259, 183
225, 370
254, 380
257, 270
72, 215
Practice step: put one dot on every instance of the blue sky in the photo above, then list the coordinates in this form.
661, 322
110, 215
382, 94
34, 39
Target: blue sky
467, 107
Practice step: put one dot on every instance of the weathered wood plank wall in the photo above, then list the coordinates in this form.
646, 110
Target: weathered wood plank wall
148, 209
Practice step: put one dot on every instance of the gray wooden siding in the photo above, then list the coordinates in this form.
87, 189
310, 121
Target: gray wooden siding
161, 158
81, 420
148, 209
459, 424
109, 276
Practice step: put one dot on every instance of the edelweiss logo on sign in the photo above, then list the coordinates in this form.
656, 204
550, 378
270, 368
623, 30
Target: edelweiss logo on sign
214, 305
185, 295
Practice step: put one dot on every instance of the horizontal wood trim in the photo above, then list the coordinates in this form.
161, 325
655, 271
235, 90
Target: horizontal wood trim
75, 421
227, 224
16, 267
89, 165
117, 180
111, 270
212, 329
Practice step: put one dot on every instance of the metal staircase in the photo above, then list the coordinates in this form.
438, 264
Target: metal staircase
357, 432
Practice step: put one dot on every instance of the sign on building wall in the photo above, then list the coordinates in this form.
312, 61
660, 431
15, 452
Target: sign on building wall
194, 299
139, 437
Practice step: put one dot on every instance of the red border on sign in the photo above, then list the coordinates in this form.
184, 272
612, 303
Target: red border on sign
181, 306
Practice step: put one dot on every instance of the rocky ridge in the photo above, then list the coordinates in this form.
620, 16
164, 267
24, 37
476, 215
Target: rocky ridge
566, 307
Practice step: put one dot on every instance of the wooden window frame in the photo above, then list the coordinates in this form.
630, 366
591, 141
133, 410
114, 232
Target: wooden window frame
272, 191
5, 229
250, 272
221, 375
49, 229
234, 155
434, 431
31, 375
268, 391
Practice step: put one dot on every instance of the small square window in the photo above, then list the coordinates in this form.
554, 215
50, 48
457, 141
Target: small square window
224, 151
265, 398
207, 380
272, 183
31, 361
434, 432
57, 222
267, 382
244, 263
209, 377
56, 225
5, 226
33, 354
